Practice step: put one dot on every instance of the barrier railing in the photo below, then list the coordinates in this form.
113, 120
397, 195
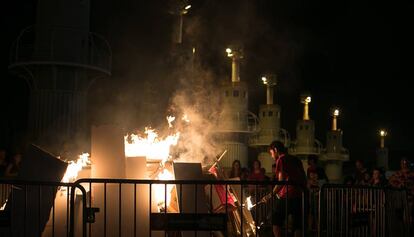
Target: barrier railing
363, 211
42, 209
125, 207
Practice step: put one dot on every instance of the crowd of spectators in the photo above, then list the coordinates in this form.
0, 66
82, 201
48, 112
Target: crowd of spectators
316, 177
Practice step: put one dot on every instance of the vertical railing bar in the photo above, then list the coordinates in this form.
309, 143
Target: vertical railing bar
195, 203
39, 214
165, 204
286, 210
105, 209
90, 205
150, 208
84, 204
181, 198
227, 213
345, 214
135, 209
319, 211
72, 209
25, 208
303, 214
211, 198
335, 220
255, 211
53, 211
341, 210
120, 209
241, 209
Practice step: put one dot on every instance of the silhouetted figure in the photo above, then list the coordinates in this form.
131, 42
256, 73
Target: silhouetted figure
236, 170
288, 168
360, 171
313, 187
404, 178
378, 178
14, 166
257, 173
3, 162
244, 174
313, 167
349, 180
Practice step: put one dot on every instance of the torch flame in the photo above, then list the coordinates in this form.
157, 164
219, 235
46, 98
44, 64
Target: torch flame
75, 166
249, 203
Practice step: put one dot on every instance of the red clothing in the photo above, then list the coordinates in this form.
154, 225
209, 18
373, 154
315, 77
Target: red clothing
292, 171
257, 176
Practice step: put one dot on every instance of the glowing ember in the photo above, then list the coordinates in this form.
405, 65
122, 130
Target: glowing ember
150, 145
159, 189
75, 166
185, 118
170, 119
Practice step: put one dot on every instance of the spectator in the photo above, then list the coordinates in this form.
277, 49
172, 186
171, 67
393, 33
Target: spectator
244, 174
404, 178
314, 187
349, 180
257, 173
14, 166
378, 179
313, 167
360, 171
313, 181
366, 179
235, 169
3, 162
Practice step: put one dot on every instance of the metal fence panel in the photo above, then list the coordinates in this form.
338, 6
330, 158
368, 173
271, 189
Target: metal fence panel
363, 211
44, 209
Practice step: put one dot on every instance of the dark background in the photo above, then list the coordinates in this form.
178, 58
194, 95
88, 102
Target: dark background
353, 54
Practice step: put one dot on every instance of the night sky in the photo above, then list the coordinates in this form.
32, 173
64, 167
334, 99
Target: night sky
353, 54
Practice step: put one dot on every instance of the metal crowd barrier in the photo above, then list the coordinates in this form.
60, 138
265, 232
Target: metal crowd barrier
44, 209
363, 211
126, 207
122, 207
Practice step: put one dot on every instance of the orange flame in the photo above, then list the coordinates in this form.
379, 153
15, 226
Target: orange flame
75, 166
163, 191
150, 145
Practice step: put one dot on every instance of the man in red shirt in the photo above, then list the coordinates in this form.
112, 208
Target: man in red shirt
288, 168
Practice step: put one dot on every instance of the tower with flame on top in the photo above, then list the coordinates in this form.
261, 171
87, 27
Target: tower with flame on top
60, 59
236, 122
335, 154
178, 8
305, 143
382, 151
269, 124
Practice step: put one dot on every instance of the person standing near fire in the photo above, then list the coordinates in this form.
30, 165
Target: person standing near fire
288, 168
